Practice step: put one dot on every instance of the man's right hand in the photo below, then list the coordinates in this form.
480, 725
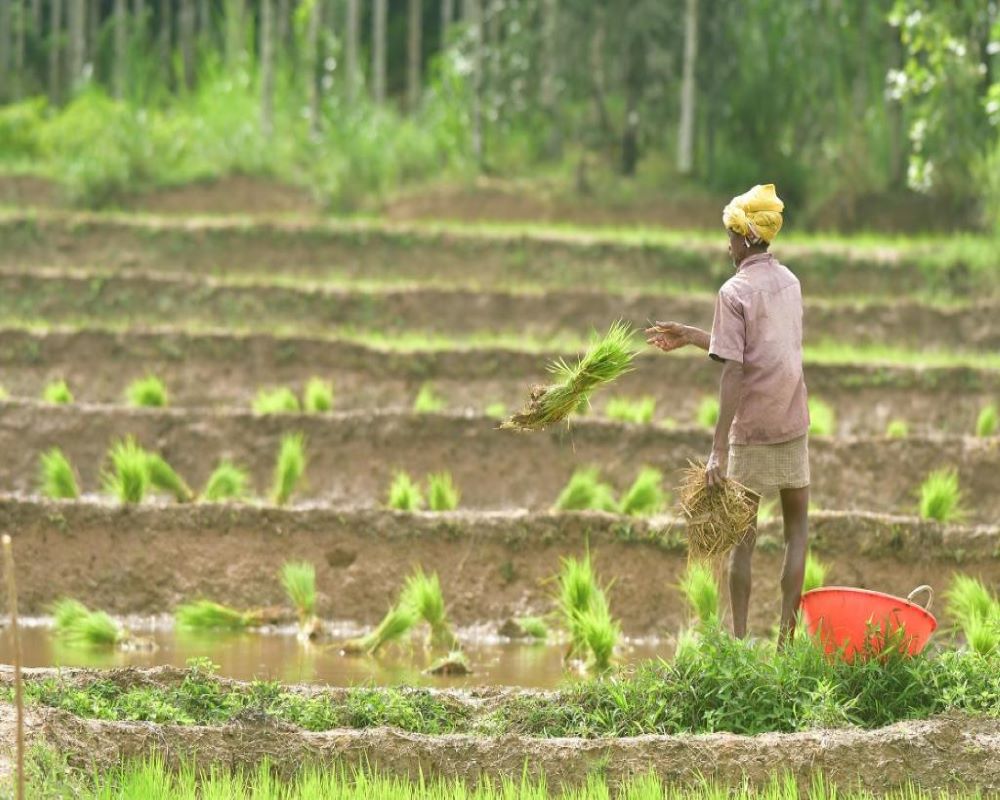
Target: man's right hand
668, 336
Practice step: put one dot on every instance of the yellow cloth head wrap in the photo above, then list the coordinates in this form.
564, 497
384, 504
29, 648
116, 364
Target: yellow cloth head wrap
755, 214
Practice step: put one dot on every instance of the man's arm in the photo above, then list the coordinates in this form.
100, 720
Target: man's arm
672, 335
730, 389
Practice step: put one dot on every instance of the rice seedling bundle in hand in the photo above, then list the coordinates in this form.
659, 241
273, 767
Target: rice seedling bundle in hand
147, 392
58, 479
227, 482
289, 468
423, 594
208, 615
605, 361
163, 477
128, 476
717, 519
58, 393
318, 396
442, 494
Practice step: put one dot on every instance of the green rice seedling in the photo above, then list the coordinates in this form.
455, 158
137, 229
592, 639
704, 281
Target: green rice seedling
78, 625
815, 574
638, 412
534, 627
399, 620
701, 591
423, 594
128, 476
281, 400
645, 496
162, 476
897, 429
599, 631
442, 494
496, 410
147, 392
57, 393
404, 494
4, 394
227, 482
983, 635
318, 396
427, 401
987, 422
969, 599
606, 360
708, 412
765, 511
822, 419
454, 663
298, 579
576, 586
289, 468
66, 612
940, 496
58, 479
585, 492
208, 615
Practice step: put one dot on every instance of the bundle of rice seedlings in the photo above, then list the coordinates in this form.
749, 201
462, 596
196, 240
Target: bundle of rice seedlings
298, 579
4, 394
717, 519
576, 586
496, 410
637, 412
58, 393
423, 594
599, 631
987, 422
227, 482
442, 494
276, 401
65, 612
822, 419
289, 468
147, 392
399, 620
455, 663
427, 401
606, 360
940, 496
701, 591
128, 476
586, 492
404, 494
318, 396
532, 628
208, 615
976, 612
162, 476
815, 573
58, 479
708, 412
78, 625
645, 496
897, 429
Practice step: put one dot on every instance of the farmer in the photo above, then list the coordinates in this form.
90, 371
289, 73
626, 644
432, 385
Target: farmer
761, 437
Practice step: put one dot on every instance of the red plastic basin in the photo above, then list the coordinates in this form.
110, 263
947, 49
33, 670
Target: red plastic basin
849, 620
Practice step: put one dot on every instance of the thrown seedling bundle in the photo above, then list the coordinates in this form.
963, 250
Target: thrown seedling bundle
717, 518
606, 360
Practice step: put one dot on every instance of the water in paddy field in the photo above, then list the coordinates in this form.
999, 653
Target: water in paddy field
279, 656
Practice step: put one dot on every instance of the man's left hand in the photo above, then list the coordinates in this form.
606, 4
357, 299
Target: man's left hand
716, 468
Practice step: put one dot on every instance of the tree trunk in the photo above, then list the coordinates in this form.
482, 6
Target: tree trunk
93, 30
598, 79
353, 34
547, 84
204, 22
281, 29
378, 50
121, 48
165, 40
635, 82
55, 50
21, 32
77, 30
186, 36
312, 66
6, 84
235, 41
36, 17
447, 17
685, 131
267, 67
472, 15
139, 19
414, 32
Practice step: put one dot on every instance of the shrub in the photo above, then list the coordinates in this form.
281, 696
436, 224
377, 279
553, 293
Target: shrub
442, 495
207, 615
897, 429
58, 479
701, 591
822, 420
289, 468
148, 392
163, 477
708, 412
318, 396
638, 412
128, 476
57, 393
227, 482
585, 492
404, 494
427, 401
940, 496
815, 573
298, 579
986, 422
276, 401
645, 496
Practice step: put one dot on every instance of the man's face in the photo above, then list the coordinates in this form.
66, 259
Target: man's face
737, 247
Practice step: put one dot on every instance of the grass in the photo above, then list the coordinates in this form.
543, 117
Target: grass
815, 573
289, 468
987, 422
162, 476
586, 492
822, 419
147, 392
77, 625
281, 400
404, 493
701, 593
227, 482
707, 414
209, 615
897, 429
57, 393
57, 476
940, 496
128, 478
422, 593
636, 411
427, 401
318, 396
645, 496
298, 579
442, 494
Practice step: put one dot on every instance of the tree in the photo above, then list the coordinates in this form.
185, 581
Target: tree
447, 17
414, 24
165, 40
121, 47
77, 41
267, 67
235, 33
379, 50
352, 36
685, 132
5, 40
55, 50
315, 15
186, 36
472, 16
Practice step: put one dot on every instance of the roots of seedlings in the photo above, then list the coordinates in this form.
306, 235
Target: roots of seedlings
717, 519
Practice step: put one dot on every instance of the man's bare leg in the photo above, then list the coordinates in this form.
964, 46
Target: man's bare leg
740, 578
795, 513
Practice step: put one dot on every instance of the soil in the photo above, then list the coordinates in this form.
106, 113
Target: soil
493, 566
224, 369
234, 194
353, 457
161, 298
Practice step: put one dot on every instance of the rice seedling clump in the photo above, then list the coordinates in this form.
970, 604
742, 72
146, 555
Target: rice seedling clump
442, 494
940, 496
645, 496
585, 612
227, 482
298, 579
606, 360
57, 393
586, 492
318, 396
637, 412
162, 476
404, 494
987, 423
716, 519
708, 412
57, 476
701, 592
209, 615
976, 612
897, 429
427, 401
77, 625
496, 410
815, 573
397, 622
289, 468
281, 400
822, 420
128, 475
147, 392
423, 594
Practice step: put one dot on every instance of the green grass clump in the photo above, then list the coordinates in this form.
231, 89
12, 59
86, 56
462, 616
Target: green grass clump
701, 591
77, 625
422, 593
708, 412
208, 615
815, 574
897, 429
442, 494
281, 400
496, 410
987, 422
128, 475
289, 468
227, 482
147, 392
162, 476
645, 496
58, 393
940, 496
535, 627
404, 494
586, 492
427, 401
822, 419
976, 612
58, 478
298, 579
638, 412
318, 396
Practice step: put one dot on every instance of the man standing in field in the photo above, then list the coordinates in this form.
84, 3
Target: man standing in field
761, 438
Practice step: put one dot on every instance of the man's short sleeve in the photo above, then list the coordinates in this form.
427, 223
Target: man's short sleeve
729, 330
